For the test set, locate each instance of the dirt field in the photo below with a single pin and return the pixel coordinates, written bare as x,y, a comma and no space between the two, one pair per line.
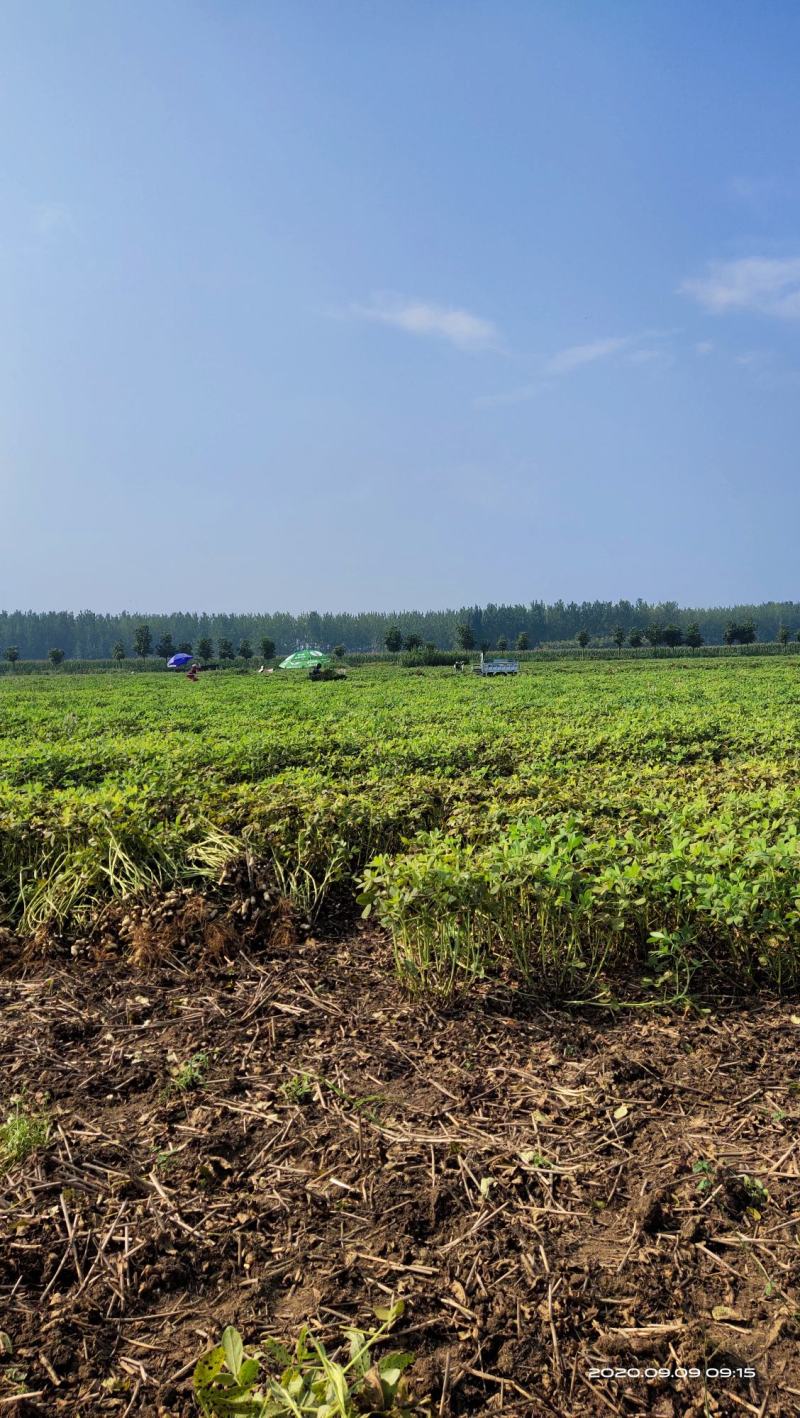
551,1192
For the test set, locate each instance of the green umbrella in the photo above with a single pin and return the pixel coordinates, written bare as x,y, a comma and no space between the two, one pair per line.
304,660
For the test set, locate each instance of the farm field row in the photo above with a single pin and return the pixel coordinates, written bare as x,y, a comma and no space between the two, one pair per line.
580,817
557,1197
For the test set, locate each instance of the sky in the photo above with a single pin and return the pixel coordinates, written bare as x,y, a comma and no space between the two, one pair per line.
387,304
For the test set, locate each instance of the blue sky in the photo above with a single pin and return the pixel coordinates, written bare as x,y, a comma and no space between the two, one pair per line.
384,305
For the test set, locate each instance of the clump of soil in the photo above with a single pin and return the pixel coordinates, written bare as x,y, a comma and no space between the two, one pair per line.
273,1133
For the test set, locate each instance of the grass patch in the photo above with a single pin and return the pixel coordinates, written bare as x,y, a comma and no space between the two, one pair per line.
299,1088
189,1075
23,1131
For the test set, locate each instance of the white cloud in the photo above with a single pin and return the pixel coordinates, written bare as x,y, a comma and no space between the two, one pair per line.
754,359
631,347
748,189
760,193
566,360
767,285
704,347
418,317
634,347
51,219
649,357
513,396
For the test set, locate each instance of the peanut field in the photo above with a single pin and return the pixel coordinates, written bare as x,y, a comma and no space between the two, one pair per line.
463,1009
577,819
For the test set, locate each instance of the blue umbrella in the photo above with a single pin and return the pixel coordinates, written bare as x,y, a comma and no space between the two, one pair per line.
178,661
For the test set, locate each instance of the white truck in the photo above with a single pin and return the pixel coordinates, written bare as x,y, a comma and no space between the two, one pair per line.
497,667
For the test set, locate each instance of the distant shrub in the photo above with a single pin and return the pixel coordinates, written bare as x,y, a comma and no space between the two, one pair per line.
429,655
86,667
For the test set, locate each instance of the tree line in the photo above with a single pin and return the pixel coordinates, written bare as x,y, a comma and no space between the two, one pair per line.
164,648
735,633
90,635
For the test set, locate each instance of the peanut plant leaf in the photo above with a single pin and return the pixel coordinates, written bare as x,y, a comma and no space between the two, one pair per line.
390,1369
224,1406
248,1373
391,1366
277,1351
233,1349
207,1368
388,1315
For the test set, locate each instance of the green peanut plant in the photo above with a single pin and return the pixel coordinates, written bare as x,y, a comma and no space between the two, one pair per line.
232,1381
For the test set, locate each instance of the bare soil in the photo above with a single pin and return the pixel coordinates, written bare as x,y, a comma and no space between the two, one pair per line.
551,1191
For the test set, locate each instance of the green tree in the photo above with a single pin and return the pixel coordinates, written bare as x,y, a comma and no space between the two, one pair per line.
522,641
413,642
185,647
618,636
582,638
164,647
744,633
464,636
245,650
693,636
502,643
338,651
55,656
12,654
393,639
267,648
225,650
635,639
118,650
204,648
142,641
655,634
783,636
672,635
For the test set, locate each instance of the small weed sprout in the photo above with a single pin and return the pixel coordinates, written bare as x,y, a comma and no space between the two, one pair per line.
189,1075
756,1192
21,1133
299,1088
165,1160
702,1170
15,1381
536,1159
360,1105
